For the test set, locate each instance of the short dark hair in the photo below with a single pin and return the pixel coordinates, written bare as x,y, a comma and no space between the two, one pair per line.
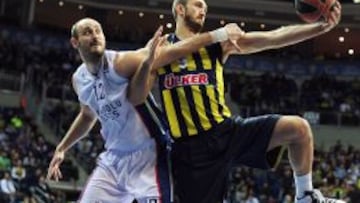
73,31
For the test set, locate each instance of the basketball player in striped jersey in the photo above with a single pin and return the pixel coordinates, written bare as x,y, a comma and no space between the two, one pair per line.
109,84
208,141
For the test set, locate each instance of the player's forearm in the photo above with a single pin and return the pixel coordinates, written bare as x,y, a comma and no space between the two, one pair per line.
140,84
284,36
289,35
183,48
189,45
79,128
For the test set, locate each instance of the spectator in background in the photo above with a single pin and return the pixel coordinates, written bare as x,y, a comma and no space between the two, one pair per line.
250,198
18,173
5,163
8,188
287,199
30,160
43,192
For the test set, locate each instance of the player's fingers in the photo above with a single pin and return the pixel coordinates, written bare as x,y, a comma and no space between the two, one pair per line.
235,44
58,174
162,41
337,10
331,17
338,5
156,39
153,48
156,35
48,175
51,173
338,14
158,32
334,16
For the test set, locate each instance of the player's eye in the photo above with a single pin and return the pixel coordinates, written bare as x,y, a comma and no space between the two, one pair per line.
87,32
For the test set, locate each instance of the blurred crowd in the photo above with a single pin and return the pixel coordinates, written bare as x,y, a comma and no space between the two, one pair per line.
277,93
24,158
49,61
336,172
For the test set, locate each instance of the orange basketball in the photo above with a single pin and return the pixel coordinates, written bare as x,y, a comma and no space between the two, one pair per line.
313,10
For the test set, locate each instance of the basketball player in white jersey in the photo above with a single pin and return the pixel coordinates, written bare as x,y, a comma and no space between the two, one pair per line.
128,169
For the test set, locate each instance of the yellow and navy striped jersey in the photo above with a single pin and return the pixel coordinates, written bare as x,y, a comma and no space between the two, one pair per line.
192,91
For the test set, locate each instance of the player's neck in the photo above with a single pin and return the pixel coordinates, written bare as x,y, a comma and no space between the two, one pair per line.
94,66
183,32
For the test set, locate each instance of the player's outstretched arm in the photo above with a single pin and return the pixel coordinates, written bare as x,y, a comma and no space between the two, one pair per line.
141,82
252,42
80,127
126,63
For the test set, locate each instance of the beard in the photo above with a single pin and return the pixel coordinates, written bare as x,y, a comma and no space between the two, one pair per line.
192,24
98,52
93,53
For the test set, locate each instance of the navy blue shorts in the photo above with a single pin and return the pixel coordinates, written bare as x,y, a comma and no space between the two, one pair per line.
201,164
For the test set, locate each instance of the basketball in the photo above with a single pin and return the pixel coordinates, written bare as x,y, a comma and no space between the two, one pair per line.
313,10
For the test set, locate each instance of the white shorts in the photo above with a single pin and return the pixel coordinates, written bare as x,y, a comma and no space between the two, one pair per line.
142,175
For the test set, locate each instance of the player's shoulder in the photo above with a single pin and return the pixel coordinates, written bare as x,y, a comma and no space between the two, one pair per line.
111,55
124,54
79,71
126,62
79,77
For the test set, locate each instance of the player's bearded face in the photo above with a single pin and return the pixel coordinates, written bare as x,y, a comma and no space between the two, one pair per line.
94,46
92,43
194,20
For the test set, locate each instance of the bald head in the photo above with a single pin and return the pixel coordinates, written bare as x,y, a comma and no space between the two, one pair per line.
81,23
88,38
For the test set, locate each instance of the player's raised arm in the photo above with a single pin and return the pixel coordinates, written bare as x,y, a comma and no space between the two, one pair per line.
252,42
141,82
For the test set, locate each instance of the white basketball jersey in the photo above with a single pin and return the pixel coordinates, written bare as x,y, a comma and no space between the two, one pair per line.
106,95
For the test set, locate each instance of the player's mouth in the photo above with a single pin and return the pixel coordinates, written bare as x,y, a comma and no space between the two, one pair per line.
95,44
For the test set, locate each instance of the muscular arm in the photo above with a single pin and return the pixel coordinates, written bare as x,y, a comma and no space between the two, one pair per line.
84,121
126,63
252,42
141,82
82,124
182,48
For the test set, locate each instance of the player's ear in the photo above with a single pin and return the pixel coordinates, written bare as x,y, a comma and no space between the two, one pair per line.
74,42
180,10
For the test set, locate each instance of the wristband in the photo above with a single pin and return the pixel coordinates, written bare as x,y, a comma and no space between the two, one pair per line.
219,35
